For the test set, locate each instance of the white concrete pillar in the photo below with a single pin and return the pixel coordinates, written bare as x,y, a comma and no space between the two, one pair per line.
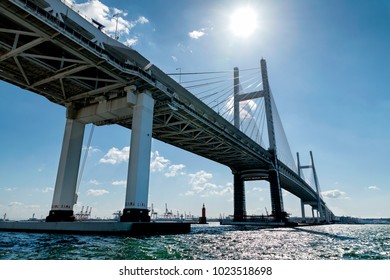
136,203
65,188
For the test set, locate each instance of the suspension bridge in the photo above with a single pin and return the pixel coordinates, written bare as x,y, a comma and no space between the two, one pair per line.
49,49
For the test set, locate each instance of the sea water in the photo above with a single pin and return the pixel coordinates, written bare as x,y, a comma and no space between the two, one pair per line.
208,242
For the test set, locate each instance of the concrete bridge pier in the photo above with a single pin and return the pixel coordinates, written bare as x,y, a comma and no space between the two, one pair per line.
136,202
64,196
312,213
239,197
327,216
316,214
303,211
276,197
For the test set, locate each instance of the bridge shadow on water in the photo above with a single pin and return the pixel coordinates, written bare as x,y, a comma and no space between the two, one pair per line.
326,234
222,229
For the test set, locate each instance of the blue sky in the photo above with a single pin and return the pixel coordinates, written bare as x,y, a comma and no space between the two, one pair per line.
329,69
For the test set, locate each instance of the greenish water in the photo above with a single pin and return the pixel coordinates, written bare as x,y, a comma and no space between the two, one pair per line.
208,242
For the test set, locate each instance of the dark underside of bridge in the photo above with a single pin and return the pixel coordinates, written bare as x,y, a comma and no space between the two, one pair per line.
68,69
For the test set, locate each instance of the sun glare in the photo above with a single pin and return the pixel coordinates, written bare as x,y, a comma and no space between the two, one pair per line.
243,22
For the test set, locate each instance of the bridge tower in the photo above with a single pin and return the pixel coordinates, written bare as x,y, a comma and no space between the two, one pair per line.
322,215
273,174
302,202
274,180
238,181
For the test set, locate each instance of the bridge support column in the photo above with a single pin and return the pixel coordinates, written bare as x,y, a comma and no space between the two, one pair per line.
312,214
316,215
303,212
136,203
65,188
327,215
239,198
276,196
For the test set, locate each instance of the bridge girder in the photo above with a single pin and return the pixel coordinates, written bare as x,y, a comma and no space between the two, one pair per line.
42,54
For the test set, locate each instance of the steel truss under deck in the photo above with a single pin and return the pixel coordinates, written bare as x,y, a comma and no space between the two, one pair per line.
44,55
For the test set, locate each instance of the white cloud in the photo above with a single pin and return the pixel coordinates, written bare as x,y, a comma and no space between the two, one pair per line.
116,156
48,189
335,194
104,15
94,192
223,190
196,34
175,170
174,58
189,193
157,162
15,204
112,18
119,183
142,20
94,182
198,179
373,188
200,185
184,48
248,117
8,189
247,108
131,41
91,149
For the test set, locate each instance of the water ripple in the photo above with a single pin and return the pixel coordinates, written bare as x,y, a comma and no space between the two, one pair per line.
207,242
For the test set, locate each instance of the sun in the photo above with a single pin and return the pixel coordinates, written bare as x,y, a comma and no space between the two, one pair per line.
243,22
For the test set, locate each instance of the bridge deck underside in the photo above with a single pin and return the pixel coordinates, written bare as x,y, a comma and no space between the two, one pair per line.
64,70
42,55
180,129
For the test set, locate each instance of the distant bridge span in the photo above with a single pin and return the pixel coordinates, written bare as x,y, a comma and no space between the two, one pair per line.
48,49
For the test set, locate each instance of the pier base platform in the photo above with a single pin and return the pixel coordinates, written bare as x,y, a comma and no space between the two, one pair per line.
264,224
97,227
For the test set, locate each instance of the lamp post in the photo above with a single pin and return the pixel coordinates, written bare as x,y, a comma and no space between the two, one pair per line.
116,27
179,68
